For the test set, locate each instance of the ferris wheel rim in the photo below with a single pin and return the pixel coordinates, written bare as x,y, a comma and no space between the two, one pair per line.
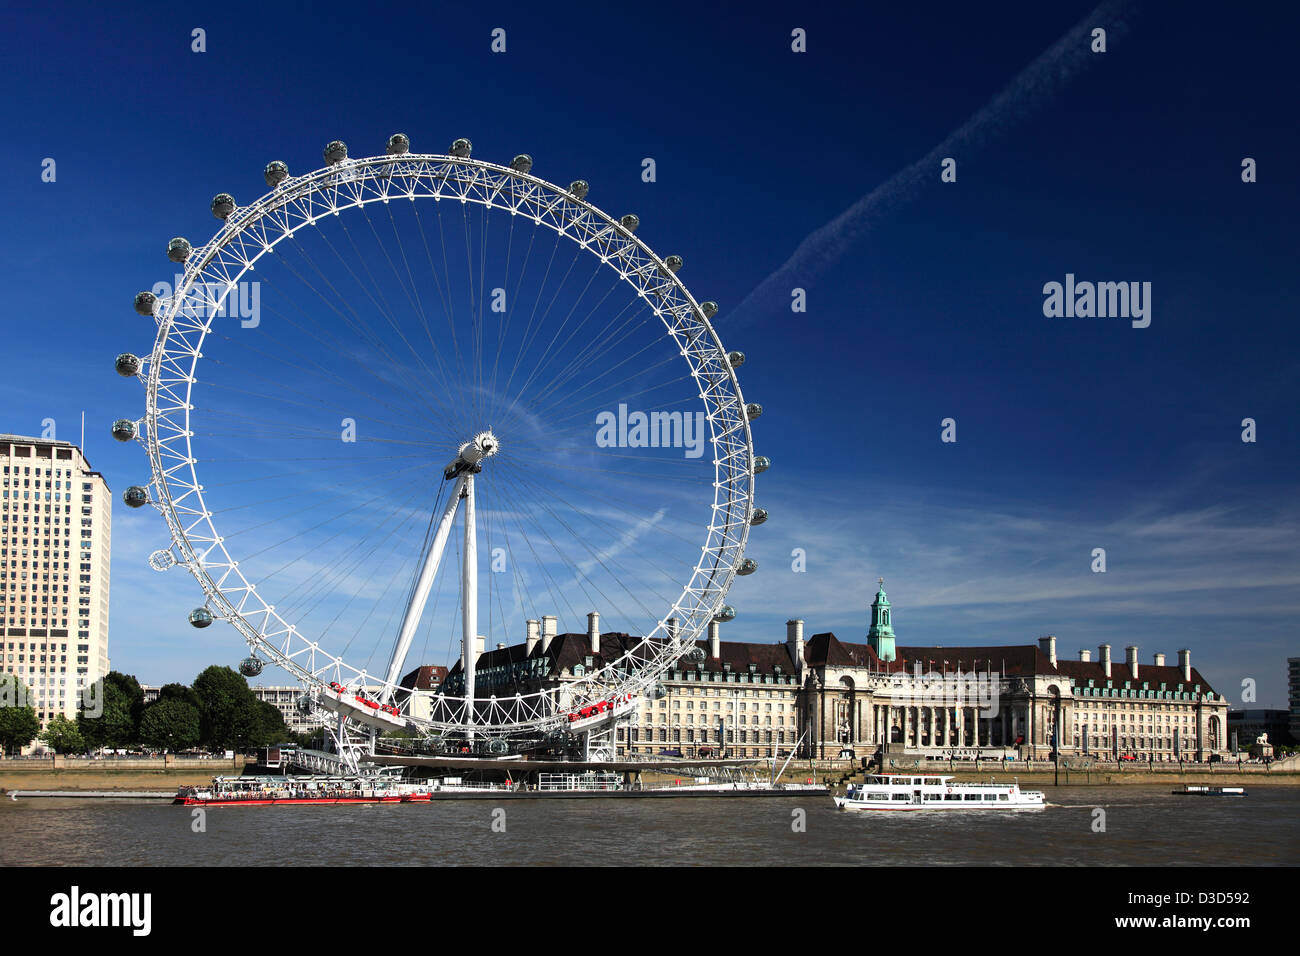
314,665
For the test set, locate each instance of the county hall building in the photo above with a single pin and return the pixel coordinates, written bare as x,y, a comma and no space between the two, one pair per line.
825,698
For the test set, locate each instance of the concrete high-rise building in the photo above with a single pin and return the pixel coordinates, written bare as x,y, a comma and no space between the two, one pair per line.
55,530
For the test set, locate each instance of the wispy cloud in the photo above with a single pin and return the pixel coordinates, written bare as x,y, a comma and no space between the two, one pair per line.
1221,580
1028,92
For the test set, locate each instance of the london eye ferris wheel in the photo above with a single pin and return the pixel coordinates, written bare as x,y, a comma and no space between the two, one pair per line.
411,404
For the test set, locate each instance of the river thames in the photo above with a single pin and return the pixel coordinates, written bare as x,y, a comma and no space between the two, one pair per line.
1143,825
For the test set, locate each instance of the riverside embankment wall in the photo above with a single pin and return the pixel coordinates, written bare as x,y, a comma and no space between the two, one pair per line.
1044,773
143,773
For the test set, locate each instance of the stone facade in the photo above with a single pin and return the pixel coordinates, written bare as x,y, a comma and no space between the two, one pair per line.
824,698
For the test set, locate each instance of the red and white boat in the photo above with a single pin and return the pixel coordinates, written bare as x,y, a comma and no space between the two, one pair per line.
300,791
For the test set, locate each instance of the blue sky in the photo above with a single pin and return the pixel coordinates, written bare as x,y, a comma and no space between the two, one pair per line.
1072,433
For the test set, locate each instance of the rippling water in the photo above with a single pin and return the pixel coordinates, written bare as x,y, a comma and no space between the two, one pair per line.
1144,825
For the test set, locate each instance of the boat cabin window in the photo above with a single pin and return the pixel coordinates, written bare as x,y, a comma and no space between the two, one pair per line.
932,781
972,796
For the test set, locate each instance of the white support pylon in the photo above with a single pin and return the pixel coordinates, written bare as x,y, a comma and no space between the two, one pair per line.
469,602
415,608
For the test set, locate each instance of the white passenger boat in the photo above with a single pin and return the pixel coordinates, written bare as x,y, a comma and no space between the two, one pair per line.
897,791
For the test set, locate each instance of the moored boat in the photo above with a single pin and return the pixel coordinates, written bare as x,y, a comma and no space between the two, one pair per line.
1196,790
260,791
908,792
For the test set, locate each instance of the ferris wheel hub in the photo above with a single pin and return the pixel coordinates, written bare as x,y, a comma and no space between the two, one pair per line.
472,454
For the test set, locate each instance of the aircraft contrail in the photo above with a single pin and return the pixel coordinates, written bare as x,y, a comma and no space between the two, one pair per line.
1030,90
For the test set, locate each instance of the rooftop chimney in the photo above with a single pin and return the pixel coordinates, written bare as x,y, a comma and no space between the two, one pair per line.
480,645
534,635
1048,646
1131,658
500,646
593,631
794,637
671,627
1103,655
1085,656
715,644
548,631
1185,664
1160,660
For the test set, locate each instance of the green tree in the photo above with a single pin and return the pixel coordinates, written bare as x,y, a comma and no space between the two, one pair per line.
179,692
271,728
230,715
132,694
18,722
63,736
113,726
171,724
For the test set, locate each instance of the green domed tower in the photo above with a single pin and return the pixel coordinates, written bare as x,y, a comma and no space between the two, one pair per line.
881,635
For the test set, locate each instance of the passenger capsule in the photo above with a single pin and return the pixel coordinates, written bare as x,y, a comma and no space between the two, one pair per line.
146,303
761,464
735,359
223,204
748,566
336,152
135,497
123,429
399,144
461,148
127,365
630,222
673,264
725,613
200,617
275,173
759,516
753,410
250,666
696,653
710,309
522,163
179,249
579,188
